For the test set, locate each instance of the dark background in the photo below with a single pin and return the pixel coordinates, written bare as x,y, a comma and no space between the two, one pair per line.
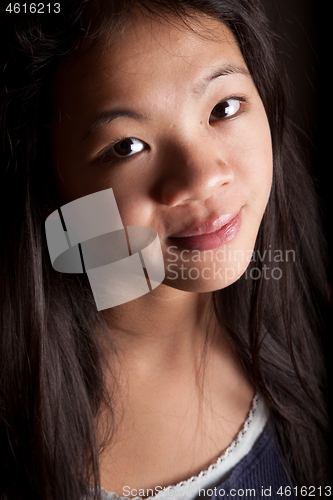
302,27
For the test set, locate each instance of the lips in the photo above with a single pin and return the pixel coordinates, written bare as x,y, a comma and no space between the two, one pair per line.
209,235
206,227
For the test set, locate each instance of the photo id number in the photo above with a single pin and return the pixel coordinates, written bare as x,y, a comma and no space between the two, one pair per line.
33,8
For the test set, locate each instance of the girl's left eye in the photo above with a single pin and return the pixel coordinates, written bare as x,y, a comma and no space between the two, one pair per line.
125,147
226,109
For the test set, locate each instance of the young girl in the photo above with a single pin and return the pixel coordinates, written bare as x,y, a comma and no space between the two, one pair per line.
213,383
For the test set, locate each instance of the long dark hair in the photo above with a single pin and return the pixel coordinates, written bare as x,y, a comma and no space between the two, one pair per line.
51,366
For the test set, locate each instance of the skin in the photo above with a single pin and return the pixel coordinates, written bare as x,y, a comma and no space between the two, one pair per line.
171,421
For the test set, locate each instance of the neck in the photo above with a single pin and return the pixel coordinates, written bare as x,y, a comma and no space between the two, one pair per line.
169,399
162,324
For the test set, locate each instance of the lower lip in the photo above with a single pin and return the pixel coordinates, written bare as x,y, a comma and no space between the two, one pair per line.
212,240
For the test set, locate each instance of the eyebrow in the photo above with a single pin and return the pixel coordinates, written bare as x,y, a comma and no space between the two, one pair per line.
106,117
226,69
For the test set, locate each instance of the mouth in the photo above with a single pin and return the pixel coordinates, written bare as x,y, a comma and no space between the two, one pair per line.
209,235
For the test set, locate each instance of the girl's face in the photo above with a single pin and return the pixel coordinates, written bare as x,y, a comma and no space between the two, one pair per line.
171,120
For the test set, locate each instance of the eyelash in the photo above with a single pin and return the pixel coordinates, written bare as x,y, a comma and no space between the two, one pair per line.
104,158
242,101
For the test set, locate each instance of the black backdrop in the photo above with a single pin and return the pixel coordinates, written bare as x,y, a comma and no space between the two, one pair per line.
301,26
303,31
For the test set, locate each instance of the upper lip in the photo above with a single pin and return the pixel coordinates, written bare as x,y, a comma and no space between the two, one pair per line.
211,225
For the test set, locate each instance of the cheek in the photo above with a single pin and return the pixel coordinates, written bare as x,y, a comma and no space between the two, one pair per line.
134,204
74,179
256,162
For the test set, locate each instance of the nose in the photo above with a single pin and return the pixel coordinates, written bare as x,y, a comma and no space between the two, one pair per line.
193,170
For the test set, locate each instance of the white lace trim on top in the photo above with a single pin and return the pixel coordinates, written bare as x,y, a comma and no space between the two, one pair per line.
236,451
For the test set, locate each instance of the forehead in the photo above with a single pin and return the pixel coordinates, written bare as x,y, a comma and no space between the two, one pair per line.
147,57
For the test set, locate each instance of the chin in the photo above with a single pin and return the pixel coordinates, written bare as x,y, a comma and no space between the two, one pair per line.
209,278
210,270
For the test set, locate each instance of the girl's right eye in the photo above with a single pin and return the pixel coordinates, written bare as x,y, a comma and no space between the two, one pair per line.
125,147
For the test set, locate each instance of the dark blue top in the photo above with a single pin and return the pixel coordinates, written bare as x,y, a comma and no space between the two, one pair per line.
259,475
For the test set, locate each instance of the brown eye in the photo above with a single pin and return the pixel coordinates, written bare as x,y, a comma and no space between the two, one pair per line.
226,109
126,147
